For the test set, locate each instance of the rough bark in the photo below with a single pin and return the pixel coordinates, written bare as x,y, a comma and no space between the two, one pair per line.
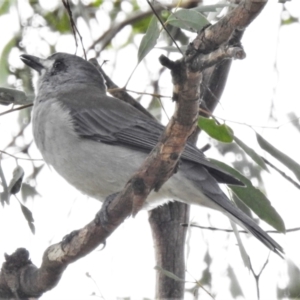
164,221
19,278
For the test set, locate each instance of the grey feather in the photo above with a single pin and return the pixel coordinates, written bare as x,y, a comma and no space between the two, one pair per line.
97,142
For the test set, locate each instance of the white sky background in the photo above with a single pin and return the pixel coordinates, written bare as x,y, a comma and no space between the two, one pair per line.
125,267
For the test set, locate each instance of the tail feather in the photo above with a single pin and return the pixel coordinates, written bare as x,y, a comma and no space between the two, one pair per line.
249,225
208,186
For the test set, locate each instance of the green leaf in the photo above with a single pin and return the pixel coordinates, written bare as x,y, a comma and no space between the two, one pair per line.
206,273
4,70
188,19
149,40
28,216
251,153
28,191
242,249
168,274
222,133
12,96
172,48
58,21
97,3
235,287
141,26
283,158
5,5
254,198
4,196
212,8
292,289
16,181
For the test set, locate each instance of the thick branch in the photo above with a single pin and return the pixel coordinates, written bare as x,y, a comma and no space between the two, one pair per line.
167,235
157,168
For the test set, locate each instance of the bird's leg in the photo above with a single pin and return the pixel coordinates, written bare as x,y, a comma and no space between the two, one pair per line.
102,217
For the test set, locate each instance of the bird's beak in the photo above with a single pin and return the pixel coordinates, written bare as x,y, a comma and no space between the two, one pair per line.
33,62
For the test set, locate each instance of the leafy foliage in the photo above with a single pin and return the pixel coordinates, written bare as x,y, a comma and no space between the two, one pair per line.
254,199
188,19
149,39
283,158
222,133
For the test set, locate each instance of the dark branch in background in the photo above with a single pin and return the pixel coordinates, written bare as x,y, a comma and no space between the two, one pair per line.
73,26
15,109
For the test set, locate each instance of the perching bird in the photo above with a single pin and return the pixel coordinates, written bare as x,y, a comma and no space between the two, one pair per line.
97,142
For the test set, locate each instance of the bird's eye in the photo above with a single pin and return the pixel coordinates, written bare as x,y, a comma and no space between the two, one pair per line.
58,66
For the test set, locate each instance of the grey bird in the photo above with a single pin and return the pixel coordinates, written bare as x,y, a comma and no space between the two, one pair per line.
97,142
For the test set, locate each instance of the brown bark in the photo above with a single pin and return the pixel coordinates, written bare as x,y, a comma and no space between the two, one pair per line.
22,279
165,220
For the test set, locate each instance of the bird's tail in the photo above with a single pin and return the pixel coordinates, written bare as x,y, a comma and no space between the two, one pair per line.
212,196
239,217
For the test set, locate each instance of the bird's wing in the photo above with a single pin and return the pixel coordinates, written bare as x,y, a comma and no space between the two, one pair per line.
109,120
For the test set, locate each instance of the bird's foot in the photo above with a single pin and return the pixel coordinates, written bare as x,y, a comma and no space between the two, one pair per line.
102,217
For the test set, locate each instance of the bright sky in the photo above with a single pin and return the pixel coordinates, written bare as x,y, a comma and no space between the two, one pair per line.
125,267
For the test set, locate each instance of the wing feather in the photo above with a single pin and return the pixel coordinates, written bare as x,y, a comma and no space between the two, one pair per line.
126,126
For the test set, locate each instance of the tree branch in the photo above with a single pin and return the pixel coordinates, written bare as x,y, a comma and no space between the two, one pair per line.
21,279
167,235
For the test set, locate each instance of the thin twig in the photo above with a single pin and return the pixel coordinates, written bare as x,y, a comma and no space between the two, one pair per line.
139,93
164,26
163,108
15,109
231,231
22,158
256,277
73,26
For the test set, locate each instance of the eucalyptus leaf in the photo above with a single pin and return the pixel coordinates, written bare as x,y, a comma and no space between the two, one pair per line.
283,158
28,191
292,288
16,181
254,198
168,274
28,216
212,8
4,71
222,133
251,153
172,48
188,19
243,252
13,96
4,196
235,287
149,40
5,6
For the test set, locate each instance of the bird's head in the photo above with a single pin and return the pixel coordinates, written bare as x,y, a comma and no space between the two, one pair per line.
61,69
